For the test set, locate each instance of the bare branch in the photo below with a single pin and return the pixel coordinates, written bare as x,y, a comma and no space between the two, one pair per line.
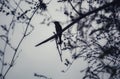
16,50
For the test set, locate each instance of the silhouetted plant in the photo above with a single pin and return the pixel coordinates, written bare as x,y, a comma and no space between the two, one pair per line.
96,25
20,15
101,58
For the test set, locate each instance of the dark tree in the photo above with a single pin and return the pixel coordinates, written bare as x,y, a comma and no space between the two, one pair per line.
97,36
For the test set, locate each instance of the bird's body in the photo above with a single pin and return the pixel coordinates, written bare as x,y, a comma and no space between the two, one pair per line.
58,29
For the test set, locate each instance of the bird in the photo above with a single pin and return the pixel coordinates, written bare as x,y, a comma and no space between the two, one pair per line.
58,29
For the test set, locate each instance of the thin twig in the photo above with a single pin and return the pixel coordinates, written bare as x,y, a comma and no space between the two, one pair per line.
74,8
7,40
24,35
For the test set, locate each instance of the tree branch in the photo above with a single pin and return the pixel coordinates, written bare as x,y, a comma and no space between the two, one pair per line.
79,18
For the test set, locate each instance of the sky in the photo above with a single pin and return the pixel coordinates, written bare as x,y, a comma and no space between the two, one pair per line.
45,58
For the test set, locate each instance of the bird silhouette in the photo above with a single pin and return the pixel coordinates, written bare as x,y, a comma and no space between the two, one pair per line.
58,29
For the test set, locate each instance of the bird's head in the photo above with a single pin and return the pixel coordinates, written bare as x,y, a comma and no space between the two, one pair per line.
56,22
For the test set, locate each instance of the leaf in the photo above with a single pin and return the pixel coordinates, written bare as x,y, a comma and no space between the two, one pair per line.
7,13
3,11
4,37
0,75
62,0
98,21
41,76
4,27
13,12
66,13
93,31
43,6
67,62
5,64
1,53
74,56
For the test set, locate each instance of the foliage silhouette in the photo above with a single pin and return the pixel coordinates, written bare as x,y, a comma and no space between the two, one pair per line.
76,20
102,59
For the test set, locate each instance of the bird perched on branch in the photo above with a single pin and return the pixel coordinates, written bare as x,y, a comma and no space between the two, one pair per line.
58,28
